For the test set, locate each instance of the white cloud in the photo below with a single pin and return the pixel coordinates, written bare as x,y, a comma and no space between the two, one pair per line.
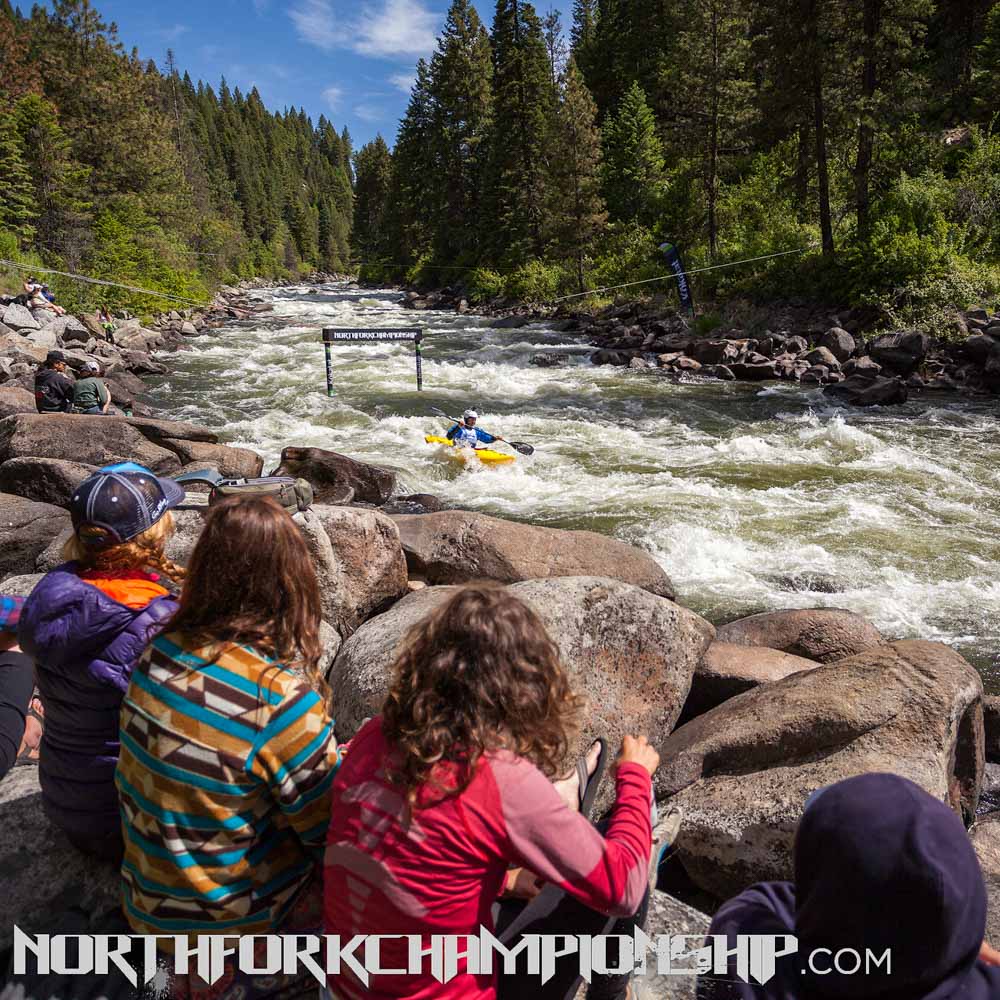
369,112
332,96
382,28
403,81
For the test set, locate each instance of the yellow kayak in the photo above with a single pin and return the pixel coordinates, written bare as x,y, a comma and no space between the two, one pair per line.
485,455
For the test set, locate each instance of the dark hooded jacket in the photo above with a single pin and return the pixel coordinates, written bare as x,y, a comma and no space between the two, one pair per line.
879,865
85,645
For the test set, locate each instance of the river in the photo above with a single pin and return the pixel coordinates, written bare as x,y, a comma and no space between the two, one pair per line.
752,498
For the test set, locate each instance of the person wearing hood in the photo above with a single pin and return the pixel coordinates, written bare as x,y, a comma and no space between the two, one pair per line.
468,435
881,867
53,387
85,625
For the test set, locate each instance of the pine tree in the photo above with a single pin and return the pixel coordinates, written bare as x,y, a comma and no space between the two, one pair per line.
17,196
576,213
461,74
555,46
373,170
523,100
985,82
633,160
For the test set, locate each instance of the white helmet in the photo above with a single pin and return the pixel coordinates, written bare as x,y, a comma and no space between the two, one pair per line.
470,415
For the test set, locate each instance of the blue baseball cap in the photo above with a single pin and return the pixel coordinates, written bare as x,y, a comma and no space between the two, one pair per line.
123,500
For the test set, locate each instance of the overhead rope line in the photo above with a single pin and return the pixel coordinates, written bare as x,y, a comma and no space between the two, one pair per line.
100,281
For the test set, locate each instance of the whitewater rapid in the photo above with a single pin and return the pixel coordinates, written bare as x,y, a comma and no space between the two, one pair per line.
752,498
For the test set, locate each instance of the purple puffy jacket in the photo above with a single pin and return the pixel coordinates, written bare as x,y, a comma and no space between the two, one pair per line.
85,645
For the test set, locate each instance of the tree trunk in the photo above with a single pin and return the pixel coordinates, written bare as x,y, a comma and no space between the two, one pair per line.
713,144
866,133
822,167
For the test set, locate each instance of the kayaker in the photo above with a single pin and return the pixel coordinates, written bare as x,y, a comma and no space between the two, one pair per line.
468,435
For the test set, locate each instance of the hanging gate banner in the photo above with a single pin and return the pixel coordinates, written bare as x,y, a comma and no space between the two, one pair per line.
683,287
333,336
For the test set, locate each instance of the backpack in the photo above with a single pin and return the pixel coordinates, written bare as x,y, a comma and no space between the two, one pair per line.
293,494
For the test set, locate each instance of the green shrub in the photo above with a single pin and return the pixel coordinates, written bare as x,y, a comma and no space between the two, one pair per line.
536,281
483,284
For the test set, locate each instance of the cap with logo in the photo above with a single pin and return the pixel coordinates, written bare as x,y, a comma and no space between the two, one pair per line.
124,501
91,366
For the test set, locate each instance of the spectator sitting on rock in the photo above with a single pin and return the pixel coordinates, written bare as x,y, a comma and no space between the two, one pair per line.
228,752
880,867
53,387
20,708
85,625
42,298
450,786
90,394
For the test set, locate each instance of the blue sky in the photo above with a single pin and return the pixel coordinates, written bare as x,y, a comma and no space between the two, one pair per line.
352,60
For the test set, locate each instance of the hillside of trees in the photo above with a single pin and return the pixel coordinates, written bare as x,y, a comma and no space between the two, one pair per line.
113,167
537,159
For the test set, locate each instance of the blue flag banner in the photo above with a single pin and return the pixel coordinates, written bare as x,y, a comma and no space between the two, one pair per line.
683,286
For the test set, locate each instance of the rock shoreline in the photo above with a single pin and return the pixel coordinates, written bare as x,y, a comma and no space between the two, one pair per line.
832,352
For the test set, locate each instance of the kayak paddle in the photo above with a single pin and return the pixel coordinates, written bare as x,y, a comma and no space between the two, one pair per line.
524,449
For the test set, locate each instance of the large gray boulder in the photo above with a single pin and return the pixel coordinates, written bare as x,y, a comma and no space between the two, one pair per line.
48,480
727,670
900,353
359,562
232,463
19,317
862,390
669,916
456,546
839,343
43,338
20,586
26,529
630,653
332,475
742,772
14,399
821,634
986,842
43,874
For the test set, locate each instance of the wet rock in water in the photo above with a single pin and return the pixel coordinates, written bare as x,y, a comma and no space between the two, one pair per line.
26,529
821,634
754,373
44,875
862,366
991,719
329,473
630,653
839,343
727,670
459,546
743,771
715,352
511,322
545,360
721,372
860,390
359,562
47,480
607,357
415,503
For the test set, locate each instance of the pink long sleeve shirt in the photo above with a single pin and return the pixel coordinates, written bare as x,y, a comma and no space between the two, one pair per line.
439,870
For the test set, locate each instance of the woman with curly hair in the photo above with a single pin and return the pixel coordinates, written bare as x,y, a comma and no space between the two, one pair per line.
85,625
452,786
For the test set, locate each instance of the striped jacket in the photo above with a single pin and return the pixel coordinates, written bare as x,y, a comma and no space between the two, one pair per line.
225,775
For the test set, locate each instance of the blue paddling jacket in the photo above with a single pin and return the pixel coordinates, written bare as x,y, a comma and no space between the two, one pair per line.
469,437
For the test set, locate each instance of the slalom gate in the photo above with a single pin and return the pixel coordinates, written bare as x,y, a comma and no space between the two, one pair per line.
333,336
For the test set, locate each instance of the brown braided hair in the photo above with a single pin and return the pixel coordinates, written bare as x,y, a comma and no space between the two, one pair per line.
479,674
145,551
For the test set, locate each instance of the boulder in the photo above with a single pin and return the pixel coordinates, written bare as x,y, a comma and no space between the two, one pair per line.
359,561
19,317
796,345
511,322
728,669
820,634
20,586
44,875
991,720
162,431
743,771
233,463
669,916
545,359
26,528
47,480
456,546
70,328
754,373
19,349
91,440
862,366
608,357
822,356
330,473
44,338
977,348
715,352
630,653
14,399
985,837
860,390
839,343
901,353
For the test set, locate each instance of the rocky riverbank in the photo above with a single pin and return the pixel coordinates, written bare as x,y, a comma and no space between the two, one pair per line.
749,716
838,353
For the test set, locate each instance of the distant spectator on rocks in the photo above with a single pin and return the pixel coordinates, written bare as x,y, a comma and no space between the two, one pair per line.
43,298
90,394
107,322
880,867
85,625
53,387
